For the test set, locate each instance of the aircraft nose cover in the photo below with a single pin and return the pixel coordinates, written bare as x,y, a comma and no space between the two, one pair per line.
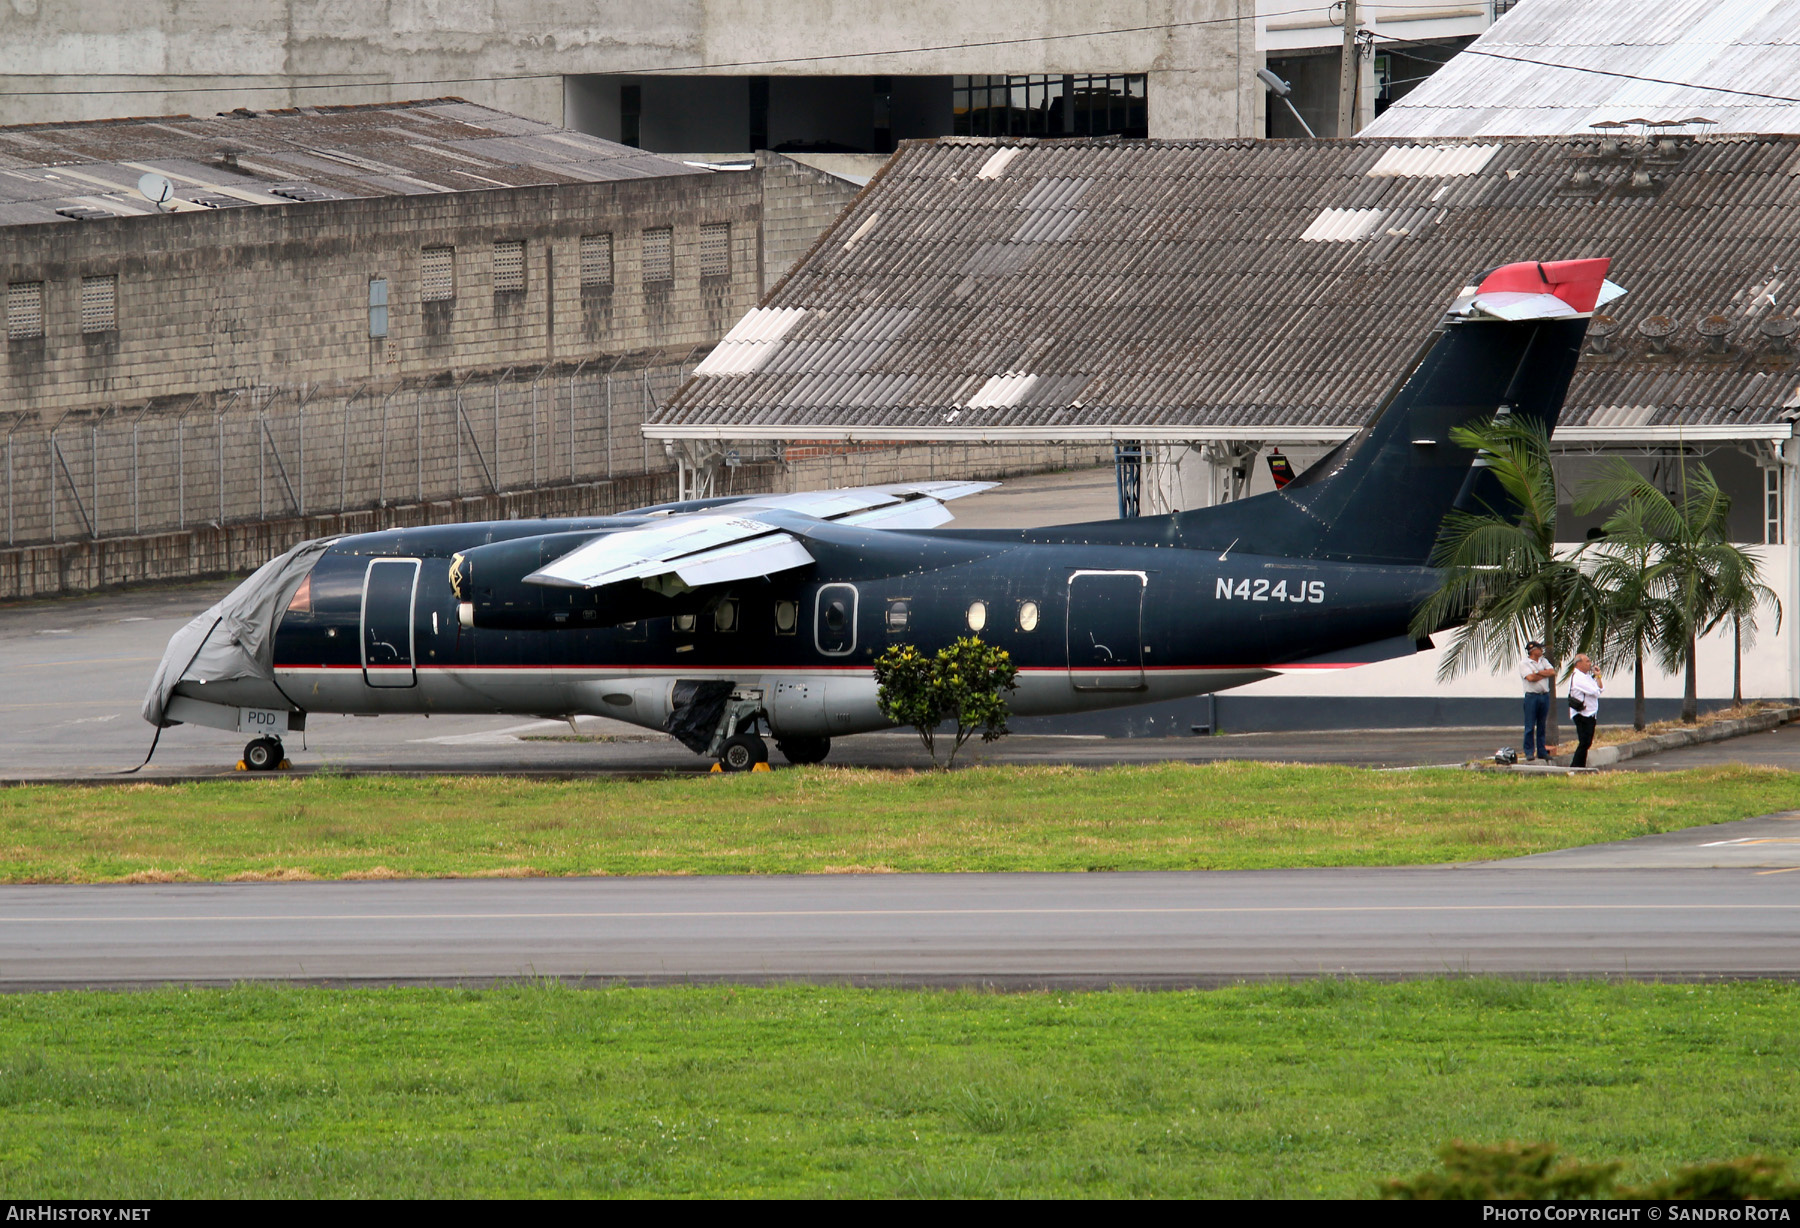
236,637
1576,282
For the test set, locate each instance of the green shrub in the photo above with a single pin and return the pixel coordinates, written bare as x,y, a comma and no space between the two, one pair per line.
965,683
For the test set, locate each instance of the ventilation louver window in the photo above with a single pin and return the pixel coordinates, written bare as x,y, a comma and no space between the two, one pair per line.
99,304
715,250
24,310
509,265
596,260
437,280
659,254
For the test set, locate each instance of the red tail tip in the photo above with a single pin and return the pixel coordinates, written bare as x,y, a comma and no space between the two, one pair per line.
1575,282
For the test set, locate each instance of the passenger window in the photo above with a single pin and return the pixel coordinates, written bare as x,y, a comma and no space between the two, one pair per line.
977,615
1028,615
899,616
725,615
684,622
787,617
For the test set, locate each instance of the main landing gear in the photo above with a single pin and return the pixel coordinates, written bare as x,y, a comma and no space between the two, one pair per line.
264,755
738,745
742,752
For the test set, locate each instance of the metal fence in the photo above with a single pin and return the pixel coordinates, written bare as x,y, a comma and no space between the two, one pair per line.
261,453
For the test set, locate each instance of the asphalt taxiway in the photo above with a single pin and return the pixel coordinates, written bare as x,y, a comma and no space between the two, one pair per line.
1003,930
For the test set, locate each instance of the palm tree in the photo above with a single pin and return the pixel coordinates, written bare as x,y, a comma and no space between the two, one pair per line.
1635,615
1503,578
1699,577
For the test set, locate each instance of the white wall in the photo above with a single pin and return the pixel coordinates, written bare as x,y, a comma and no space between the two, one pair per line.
1768,672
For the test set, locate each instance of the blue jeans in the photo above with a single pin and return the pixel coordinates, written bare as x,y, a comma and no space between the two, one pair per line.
1537,716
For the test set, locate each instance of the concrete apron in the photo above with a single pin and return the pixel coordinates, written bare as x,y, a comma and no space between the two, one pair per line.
1718,731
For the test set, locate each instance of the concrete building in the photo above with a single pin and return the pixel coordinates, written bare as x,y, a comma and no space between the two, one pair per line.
711,76
1209,302
338,310
1400,45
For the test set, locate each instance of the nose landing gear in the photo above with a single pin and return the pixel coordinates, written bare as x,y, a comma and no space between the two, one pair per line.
264,755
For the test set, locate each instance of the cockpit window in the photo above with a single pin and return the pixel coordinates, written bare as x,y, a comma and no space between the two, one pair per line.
301,603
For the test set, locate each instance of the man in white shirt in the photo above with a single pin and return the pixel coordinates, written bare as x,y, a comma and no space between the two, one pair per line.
1584,706
1536,671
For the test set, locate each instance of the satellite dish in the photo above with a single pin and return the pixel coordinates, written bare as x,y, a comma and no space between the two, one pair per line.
156,189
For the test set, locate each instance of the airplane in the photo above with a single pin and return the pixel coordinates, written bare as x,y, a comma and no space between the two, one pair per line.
719,619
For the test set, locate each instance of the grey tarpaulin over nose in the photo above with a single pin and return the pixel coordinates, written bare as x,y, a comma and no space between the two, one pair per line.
236,637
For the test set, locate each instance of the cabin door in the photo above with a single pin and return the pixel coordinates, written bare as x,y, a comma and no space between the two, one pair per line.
390,594
1106,619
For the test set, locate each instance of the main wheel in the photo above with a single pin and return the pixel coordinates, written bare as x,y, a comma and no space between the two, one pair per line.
801,751
263,754
743,752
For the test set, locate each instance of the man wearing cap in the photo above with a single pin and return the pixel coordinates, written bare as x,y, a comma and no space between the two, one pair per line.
1536,670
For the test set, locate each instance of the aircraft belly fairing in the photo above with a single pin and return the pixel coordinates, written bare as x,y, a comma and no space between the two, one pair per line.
719,618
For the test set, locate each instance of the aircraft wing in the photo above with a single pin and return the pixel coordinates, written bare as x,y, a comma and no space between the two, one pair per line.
699,548
849,504
727,542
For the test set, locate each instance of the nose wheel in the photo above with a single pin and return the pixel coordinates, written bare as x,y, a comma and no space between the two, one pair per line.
264,755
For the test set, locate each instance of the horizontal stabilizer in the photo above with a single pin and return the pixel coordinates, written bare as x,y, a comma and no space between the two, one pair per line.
720,547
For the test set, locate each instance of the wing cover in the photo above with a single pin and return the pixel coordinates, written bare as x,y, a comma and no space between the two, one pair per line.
720,547
723,544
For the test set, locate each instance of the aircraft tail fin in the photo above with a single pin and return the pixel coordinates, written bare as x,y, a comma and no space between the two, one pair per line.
1507,345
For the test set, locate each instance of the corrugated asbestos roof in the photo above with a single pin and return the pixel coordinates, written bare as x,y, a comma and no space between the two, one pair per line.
68,172
1507,84
1096,288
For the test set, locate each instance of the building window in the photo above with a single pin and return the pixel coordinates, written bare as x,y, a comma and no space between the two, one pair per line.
1067,105
1772,517
24,310
659,254
378,306
99,304
509,265
715,249
437,281
596,260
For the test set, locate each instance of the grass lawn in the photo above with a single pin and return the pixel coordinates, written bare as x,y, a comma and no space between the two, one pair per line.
1313,1089
822,820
